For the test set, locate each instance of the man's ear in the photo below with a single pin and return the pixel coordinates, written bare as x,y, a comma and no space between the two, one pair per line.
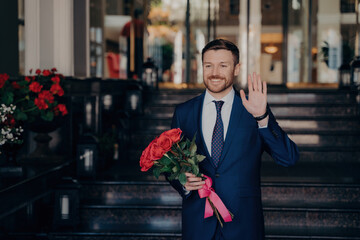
237,69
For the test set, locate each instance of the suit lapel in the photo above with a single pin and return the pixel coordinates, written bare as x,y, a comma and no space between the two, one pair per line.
236,113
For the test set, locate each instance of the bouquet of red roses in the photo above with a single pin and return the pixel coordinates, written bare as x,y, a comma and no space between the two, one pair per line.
172,154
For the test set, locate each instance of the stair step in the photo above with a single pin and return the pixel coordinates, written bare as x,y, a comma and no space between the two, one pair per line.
90,235
301,172
272,233
313,139
326,109
157,219
131,219
327,156
296,195
307,154
331,124
311,232
274,96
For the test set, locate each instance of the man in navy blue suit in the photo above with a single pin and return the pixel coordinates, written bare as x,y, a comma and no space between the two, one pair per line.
232,131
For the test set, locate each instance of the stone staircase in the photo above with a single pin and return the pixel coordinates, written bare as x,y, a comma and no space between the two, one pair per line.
318,198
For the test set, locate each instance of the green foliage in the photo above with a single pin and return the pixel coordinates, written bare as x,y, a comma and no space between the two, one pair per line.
165,161
182,178
7,98
47,116
156,172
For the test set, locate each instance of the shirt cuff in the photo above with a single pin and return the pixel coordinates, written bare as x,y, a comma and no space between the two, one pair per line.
262,126
186,192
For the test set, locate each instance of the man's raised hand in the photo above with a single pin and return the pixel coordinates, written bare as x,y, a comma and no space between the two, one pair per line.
257,99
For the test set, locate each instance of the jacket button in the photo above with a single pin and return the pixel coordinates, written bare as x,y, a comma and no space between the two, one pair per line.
217,175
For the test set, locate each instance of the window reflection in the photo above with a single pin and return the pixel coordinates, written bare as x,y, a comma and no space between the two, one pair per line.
319,37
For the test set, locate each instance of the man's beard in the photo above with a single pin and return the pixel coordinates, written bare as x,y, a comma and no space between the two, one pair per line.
225,86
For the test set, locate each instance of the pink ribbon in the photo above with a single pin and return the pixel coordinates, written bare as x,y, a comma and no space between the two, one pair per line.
208,191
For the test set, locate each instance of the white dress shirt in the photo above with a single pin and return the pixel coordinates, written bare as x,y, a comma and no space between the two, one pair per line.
209,115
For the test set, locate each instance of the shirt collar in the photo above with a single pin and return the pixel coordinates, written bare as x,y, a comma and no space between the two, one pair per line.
227,99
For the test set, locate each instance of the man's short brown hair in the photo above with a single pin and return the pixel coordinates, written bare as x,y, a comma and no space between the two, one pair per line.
218,44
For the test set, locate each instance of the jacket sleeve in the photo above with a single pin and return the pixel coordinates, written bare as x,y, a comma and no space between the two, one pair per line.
175,183
277,143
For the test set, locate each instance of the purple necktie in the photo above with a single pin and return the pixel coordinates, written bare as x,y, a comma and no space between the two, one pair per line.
217,141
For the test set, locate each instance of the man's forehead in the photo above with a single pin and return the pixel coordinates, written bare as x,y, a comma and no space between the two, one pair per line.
218,55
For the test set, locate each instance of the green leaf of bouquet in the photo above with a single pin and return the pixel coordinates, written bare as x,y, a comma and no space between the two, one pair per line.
191,161
182,178
165,169
182,145
195,169
175,169
165,161
193,149
187,152
156,172
200,158
188,143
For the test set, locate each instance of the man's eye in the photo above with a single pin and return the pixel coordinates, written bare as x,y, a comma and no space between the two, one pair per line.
207,66
223,66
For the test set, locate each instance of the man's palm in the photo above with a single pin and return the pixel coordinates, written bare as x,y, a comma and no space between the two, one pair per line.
257,100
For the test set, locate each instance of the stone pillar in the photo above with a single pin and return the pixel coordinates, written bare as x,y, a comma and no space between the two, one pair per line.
9,48
49,36
82,38
250,49
328,29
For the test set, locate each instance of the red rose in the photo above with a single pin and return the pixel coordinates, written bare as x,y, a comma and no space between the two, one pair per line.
60,108
46,95
55,79
165,142
40,103
28,79
38,71
174,134
3,78
35,87
54,70
46,73
15,85
145,161
57,89
156,151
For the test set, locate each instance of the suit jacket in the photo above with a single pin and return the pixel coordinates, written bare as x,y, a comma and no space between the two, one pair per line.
237,178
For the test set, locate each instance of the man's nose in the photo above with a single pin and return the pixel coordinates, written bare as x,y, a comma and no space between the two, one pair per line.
215,70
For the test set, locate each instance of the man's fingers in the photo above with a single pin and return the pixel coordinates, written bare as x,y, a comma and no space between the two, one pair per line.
250,84
258,79
194,179
255,83
193,185
264,88
189,174
196,183
190,188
